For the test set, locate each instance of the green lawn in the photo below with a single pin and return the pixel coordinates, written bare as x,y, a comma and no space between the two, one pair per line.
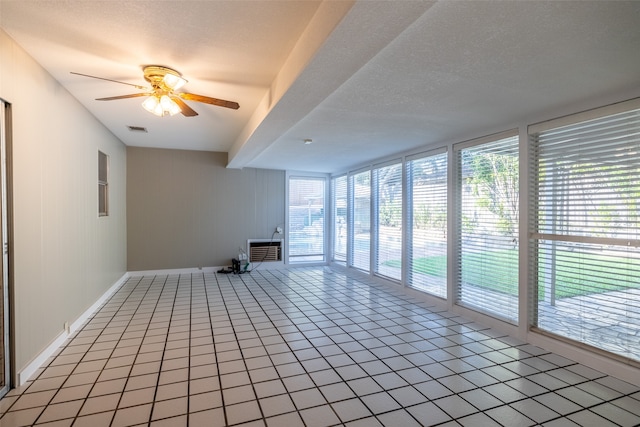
497,270
584,274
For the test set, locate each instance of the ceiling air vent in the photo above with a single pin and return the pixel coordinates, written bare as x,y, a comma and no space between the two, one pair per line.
137,129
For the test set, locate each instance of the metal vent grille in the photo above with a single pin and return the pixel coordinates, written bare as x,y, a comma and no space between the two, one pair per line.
265,251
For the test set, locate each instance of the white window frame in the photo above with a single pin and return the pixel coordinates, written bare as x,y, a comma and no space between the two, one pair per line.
103,183
333,231
327,207
409,216
570,237
375,217
351,219
455,239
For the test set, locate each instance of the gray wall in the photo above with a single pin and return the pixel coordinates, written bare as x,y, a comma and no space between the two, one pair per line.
185,209
64,256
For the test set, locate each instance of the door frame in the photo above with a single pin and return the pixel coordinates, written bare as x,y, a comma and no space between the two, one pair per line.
6,247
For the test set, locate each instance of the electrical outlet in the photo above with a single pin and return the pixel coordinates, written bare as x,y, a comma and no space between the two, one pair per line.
278,230
67,329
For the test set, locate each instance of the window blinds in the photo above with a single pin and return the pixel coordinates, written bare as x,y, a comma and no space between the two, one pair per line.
360,220
306,219
487,225
585,231
427,257
388,220
339,195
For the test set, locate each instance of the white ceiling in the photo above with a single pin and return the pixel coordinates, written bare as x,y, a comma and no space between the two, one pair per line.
363,79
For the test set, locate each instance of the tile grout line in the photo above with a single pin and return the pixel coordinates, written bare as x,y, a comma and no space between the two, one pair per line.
68,343
151,281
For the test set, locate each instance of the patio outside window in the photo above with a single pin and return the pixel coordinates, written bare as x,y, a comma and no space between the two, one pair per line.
585,229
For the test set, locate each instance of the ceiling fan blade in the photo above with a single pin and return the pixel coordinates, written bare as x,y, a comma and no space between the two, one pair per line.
186,110
209,100
109,80
133,95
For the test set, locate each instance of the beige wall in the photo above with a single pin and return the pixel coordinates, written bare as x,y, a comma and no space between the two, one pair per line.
65,256
185,209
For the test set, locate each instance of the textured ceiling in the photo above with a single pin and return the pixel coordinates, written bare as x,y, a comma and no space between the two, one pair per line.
225,49
364,80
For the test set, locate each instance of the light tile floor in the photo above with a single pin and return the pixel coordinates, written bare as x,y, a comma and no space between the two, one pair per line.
303,347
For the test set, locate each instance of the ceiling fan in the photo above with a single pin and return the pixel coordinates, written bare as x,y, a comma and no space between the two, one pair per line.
162,97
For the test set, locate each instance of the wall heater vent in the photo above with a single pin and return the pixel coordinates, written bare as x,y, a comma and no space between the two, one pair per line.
264,250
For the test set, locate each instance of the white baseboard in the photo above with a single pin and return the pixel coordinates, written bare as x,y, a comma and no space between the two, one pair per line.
195,270
174,271
26,373
38,361
31,367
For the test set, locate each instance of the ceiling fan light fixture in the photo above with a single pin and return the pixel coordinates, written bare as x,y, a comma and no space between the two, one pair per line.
152,105
169,106
161,105
173,81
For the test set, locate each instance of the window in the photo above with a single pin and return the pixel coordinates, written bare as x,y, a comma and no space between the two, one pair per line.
360,226
585,228
427,223
388,220
306,219
487,227
339,194
103,184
